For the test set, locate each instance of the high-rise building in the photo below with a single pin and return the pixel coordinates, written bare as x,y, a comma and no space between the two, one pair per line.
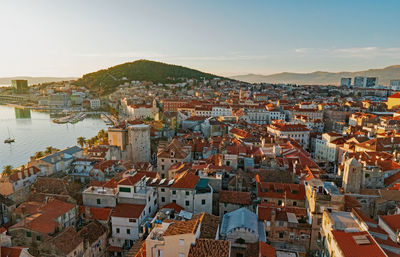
19,86
365,81
345,82
360,81
395,84
372,82
139,142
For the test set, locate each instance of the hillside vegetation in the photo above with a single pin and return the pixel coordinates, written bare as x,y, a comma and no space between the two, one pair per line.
142,70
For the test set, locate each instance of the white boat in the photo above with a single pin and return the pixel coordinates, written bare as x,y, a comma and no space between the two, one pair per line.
10,139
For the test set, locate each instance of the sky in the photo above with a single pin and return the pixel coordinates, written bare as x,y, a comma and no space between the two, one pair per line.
224,37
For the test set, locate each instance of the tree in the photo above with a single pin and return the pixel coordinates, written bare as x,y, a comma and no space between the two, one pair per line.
81,141
48,150
101,134
7,170
38,155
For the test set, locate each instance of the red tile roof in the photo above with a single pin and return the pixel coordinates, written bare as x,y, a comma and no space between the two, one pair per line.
126,210
395,95
185,180
209,247
176,207
97,213
10,251
131,180
350,248
393,221
234,197
280,190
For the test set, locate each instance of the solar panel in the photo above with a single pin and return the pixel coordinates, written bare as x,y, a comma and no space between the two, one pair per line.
154,180
171,182
162,181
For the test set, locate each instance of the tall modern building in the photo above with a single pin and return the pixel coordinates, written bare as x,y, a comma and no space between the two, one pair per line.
365,81
360,81
345,82
19,86
372,82
395,84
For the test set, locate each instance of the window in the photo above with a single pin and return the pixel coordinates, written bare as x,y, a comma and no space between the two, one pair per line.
159,253
174,192
187,193
28,234
163,199
162,189
294,203
181,255
98,201
162,167
38,238
187,203
117,230
128,231
181,242
280,234
132,220
125,189
203,202
174,201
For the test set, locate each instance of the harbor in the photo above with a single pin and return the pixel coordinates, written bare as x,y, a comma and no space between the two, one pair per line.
79,116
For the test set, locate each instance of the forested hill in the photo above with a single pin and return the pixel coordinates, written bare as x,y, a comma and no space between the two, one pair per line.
142,70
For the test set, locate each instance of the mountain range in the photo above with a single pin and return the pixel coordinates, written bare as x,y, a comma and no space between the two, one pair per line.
34,80
321,77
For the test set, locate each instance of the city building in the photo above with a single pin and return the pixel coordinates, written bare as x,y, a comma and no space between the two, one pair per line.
19,86
345,82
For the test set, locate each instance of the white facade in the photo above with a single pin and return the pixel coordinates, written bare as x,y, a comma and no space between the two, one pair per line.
95,104
217,111
301,135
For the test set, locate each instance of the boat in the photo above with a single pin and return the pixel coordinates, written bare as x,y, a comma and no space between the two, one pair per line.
9,140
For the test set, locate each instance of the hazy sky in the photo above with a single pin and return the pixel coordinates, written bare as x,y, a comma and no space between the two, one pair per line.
70,38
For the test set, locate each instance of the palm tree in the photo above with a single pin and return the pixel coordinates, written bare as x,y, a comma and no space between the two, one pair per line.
101,134
38,155
7,170
49,150
81,141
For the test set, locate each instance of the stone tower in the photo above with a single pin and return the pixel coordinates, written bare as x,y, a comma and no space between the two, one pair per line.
352,176
139,143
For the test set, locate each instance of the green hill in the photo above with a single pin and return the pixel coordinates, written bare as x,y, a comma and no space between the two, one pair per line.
142,70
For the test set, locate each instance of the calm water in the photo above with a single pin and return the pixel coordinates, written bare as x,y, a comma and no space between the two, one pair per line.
34,131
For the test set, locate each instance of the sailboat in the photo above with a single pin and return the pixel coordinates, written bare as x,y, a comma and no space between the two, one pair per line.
10,139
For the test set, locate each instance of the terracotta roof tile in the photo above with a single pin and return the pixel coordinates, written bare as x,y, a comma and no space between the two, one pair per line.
350,248
393,221
209,247
234,197
126,210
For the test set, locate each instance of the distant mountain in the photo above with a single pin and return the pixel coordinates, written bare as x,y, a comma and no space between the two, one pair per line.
142,70
34,80
323,78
